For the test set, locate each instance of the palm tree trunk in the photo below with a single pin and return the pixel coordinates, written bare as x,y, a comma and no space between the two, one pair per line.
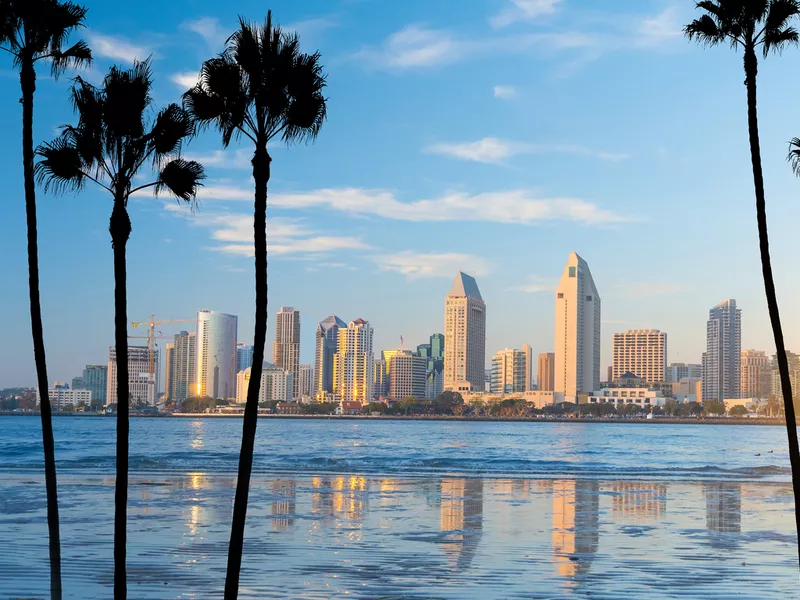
261,173
751,72
120,229
28,84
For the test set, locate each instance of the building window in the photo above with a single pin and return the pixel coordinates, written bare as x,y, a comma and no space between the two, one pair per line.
589,298
572,271
560,295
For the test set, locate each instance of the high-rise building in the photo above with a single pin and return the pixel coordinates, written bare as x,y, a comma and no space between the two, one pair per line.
794,377
276,384
286,349
723,357
464,335
327,344
577,332
754,365
437,346
169,351
642,352
95,379
353,363
215,349
184,359
509,369
244,356
407,375
547,377
528,351
306,380
677,371
141,388
380,372
424,351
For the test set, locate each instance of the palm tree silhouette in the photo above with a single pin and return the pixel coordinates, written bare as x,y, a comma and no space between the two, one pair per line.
109,147
32,31
261,87
765,26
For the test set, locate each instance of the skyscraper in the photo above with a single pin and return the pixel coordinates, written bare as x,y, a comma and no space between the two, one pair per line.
306,380
677,371
546,377
642,352
216,354
509,371
94,379
407,375
244,356
577,339
286,349
464,334
276,384
327,344
723,357
354,362
754,367
169,351
184,358
528,351
140,390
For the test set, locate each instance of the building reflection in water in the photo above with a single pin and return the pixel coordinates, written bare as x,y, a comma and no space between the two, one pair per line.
461,519
284,492
723,510
576,523
343,496
639,499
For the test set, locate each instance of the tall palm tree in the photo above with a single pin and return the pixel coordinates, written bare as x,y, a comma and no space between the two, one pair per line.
763,26
261,87
112,143
32,31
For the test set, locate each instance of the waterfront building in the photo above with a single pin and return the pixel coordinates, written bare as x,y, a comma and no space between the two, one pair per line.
794,377
434,380
677,371
276,384
577,331
464,335
244,356
61,396
354,362
642,397
215,372
286,349
184,359
509,372
306,380
723,356
169,359
642,352
94,379
142,387
437,346
546,376
326,347
407,375
528,351
754,367
380,387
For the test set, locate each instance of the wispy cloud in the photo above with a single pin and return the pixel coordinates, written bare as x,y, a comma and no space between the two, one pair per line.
224,159
515,206
505,92
535,285
309,28
116,47
661,28
495,151
184,80
642,289
523,10
208,28
417,265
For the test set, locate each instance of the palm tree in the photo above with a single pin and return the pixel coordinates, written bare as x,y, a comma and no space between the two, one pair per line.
753,26
109,147
32,31
261,87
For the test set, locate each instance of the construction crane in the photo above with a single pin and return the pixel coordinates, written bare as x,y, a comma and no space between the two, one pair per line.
151,347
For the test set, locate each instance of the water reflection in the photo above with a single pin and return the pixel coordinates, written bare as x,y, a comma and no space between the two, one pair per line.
283,506
461,520
639,499
576,505
723,511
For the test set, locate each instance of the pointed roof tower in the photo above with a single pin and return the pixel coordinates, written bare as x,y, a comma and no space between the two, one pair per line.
465,285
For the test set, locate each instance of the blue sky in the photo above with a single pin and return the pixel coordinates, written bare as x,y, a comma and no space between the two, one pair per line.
495,136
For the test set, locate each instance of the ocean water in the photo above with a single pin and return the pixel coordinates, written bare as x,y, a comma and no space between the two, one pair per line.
410,509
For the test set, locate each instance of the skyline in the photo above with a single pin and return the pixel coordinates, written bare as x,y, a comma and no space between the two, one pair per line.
642,183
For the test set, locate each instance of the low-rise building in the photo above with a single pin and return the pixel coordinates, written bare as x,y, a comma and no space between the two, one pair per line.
61,397
643,397
542,398
349,407
288,408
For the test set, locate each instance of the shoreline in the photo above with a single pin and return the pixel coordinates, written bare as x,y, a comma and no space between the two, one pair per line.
763,421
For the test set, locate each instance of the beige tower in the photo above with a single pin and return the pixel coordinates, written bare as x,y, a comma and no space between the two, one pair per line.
642,352
577,334
464,335
353,363
755,365
547,363
286,349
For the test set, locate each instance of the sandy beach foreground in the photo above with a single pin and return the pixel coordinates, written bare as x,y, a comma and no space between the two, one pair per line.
332,536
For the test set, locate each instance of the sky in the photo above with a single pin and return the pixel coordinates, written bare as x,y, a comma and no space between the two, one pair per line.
495,140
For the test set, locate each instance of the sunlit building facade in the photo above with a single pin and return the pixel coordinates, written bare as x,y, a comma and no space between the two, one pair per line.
286,349
353,363
546,373
642,352
326,347
215,373
722,360
509,372
407,375
464,334
182,377
142,386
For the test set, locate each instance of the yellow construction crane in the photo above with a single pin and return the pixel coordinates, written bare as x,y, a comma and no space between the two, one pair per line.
151,346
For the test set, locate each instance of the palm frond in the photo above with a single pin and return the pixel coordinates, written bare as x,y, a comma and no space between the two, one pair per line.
705,31
172,125
181,178
127,95
245,51
308,106
794,155
61,168
778,32
78,55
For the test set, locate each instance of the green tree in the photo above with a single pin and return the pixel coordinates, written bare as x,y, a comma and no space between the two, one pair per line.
671,407
445,402
32,31
372,407
193,404
765,26
738,411
110,147
714,407
406,404
262,87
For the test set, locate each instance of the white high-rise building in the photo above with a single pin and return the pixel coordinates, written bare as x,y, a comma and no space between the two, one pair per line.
354,363
184,359
407,375
723,358
464,335
577,334
286,349
509,372
140,390
306,381
642,352
216,354
529,376
276,384
677,371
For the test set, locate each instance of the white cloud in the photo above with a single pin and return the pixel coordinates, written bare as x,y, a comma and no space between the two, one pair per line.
495,151
209,29
515,206
184,80
505,92
309,28
535,285
645,289
417,265
224,159
523,10
115,47
664,27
